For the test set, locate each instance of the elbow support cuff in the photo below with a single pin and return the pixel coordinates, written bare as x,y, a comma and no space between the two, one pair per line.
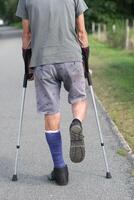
85,54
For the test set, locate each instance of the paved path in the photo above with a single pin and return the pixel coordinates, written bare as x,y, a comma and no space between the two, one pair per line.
87,181
8,31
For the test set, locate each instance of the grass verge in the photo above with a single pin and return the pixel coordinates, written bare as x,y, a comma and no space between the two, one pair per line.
132,173
113,79
17,25
122,152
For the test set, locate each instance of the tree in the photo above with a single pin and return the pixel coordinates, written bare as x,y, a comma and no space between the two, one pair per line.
99,10
126,8
7,10
2,8
106,10
10,10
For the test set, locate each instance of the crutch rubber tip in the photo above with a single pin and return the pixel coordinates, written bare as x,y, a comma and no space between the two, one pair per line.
108,175
14,177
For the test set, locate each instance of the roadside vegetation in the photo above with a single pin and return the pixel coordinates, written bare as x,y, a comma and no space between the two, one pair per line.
113,79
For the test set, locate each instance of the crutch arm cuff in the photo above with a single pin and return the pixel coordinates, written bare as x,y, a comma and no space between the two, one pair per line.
27,54
85,57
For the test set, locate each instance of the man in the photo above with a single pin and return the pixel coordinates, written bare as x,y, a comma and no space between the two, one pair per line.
57,33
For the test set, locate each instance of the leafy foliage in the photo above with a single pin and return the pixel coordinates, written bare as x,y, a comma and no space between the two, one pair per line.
105,11
99,10
7,10
2,8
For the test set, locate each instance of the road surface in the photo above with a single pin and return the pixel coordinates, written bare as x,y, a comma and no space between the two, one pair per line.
87,179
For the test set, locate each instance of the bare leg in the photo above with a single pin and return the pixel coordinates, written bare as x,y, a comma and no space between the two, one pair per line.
52,122
79,110
77,147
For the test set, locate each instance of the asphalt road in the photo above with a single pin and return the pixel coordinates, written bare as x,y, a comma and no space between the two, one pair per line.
87,180
9,32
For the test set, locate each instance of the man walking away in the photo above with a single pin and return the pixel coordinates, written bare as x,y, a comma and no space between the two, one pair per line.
57,33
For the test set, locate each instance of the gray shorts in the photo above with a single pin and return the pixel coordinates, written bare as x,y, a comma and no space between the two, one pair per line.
48,80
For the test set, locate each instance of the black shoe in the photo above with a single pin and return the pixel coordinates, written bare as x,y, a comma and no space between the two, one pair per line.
60,175
77,146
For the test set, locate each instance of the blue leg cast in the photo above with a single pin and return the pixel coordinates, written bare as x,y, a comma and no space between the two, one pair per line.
55,145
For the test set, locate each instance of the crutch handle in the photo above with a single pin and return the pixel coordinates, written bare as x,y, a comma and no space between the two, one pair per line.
27,54
89,80
85,55
25,81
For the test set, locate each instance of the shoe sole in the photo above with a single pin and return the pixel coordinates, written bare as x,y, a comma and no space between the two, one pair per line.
77,148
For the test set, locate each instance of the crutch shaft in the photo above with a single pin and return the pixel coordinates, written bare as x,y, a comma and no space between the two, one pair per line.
20,129
96,114
88,76
99,128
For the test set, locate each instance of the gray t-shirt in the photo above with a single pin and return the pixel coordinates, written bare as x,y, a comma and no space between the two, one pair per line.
52,24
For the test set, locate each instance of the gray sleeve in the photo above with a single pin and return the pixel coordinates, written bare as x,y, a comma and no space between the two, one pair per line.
22,10
80,7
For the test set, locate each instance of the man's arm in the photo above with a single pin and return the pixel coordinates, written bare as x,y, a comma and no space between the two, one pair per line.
26,49
81,31
83,40
26,35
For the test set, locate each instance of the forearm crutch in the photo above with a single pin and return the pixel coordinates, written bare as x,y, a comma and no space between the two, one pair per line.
14,178
89,80
27,76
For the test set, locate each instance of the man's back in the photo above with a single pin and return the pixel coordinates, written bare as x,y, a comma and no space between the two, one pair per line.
56,56
52,22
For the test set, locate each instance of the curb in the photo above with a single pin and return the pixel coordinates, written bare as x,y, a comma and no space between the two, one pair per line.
116,131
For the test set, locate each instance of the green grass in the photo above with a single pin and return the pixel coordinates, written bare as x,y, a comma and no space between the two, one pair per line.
17,25
132,173
122,152
113,79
